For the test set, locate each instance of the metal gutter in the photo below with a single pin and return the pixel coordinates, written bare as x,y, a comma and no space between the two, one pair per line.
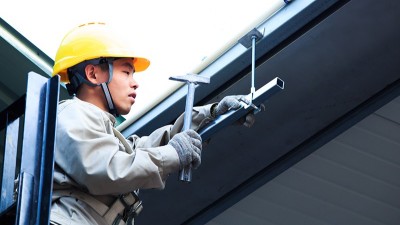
31,52
23,45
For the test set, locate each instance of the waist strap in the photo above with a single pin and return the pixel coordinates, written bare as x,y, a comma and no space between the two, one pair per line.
121,212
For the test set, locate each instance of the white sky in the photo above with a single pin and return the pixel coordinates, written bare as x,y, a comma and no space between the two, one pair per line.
176,35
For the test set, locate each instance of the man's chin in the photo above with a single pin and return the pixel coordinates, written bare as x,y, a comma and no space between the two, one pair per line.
124,111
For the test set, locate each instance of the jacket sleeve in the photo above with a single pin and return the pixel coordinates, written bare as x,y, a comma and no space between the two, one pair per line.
93,157
89,153
201,116
160,137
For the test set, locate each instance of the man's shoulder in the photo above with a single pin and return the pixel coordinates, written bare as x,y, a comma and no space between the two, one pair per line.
76,109
76,104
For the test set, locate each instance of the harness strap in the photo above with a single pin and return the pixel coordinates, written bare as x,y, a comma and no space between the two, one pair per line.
98,206
121,212
124,209
122,139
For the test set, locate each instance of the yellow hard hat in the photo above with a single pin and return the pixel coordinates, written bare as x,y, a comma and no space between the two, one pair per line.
91,41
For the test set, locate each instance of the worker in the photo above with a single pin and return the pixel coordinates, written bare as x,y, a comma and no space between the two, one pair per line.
98,172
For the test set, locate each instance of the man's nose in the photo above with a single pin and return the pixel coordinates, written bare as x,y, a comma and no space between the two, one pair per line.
134,83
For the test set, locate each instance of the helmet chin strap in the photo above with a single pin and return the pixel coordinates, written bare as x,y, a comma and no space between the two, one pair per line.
76,78
107,93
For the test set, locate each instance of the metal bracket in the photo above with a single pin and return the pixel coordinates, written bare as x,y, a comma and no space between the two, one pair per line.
247,39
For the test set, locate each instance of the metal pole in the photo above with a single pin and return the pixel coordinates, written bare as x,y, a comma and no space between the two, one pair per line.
253,62
186,173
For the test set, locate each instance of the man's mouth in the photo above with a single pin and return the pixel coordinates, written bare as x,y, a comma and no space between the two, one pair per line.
133,96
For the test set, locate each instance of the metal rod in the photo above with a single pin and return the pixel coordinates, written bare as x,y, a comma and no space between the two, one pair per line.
253,59
249,40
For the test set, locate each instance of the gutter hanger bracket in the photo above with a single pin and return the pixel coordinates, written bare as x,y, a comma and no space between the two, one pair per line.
247,39
256,97
250,40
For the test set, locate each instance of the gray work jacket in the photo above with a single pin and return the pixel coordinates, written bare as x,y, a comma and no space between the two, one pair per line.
89,158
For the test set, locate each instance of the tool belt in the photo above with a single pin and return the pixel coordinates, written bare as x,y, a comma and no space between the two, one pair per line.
122,212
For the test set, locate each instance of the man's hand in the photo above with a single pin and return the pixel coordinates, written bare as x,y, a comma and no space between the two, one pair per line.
234,102
228,103
188,146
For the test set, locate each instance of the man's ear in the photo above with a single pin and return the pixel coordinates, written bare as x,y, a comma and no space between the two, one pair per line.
90,73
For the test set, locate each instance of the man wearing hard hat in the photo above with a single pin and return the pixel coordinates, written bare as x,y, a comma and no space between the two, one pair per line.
97,171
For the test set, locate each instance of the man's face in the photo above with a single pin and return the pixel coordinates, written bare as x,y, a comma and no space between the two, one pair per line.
123,86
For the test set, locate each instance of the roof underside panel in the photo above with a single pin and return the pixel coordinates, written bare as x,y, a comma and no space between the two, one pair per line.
353,179
336,73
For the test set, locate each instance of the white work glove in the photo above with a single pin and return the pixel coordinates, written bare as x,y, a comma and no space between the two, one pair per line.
233,102
188,146
228,103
